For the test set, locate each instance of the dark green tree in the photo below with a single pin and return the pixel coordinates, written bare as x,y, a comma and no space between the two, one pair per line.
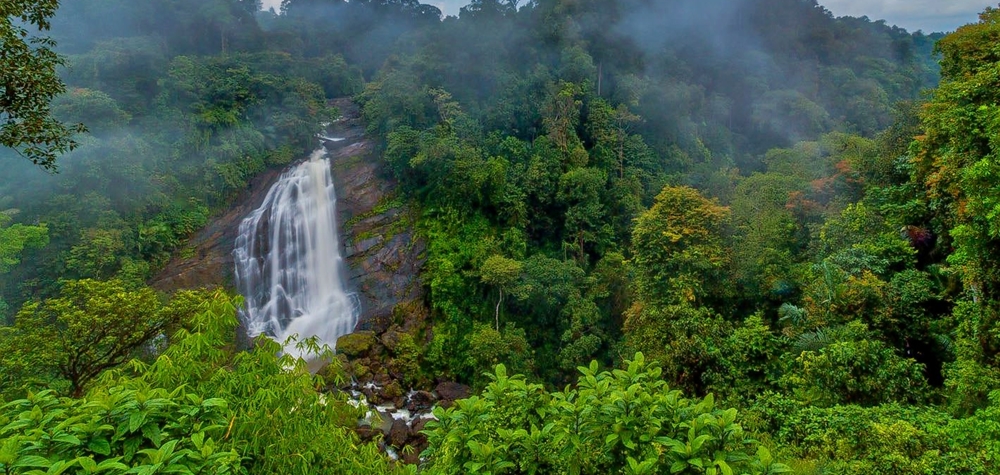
29,82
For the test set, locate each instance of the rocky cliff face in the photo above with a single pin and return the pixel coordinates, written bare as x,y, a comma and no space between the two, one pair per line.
382,254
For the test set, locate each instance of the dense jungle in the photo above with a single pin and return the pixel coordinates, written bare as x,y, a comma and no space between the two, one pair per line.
645,237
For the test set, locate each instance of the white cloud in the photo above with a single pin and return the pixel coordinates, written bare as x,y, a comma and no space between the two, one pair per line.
927,15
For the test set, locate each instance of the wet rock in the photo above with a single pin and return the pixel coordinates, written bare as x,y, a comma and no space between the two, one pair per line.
417,440
411,457
420,401
356,344
449,392
390,339
360,371
206,260
392,391
418,426
383,255
398,433
366,433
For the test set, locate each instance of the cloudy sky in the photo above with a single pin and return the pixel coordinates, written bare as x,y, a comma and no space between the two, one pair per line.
927,15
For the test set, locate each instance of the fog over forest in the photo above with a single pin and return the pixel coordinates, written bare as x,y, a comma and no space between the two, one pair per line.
506,237
927,15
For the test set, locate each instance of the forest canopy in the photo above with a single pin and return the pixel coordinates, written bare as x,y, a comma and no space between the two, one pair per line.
656,237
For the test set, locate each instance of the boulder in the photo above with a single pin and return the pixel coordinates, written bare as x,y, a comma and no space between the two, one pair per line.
420,401
419,425
411,457
392,391
366,433
390,339
355,344
398,433
451,391
417,440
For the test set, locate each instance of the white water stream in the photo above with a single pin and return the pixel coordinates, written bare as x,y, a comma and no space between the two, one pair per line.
288,262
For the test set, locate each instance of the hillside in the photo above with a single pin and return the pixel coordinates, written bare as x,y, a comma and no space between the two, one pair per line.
702,236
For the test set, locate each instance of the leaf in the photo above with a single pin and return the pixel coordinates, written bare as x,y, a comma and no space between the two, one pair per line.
135,421
99,446
33,461
764,455
67,439
698,442
60,467
152,433
112,464
88,464
215,402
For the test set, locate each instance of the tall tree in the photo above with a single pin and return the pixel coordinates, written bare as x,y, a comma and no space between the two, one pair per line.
958,164
678,247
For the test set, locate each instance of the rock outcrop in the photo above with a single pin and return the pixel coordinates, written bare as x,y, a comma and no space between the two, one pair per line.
382,253
207,259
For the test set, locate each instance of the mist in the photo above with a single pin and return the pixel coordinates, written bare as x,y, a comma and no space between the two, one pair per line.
187,101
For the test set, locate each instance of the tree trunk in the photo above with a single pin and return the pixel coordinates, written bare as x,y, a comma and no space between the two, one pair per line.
498,309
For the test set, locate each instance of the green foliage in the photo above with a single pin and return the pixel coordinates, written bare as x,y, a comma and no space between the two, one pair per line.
530,137
974,373
489,347
266,414
883,439
765,234
625,421
686,341
116,432
92,326
30,82
100,111
678,249
856,371
956,158
278,420
14,239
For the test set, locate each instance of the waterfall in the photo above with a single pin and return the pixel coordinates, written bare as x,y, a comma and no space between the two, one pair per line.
288,262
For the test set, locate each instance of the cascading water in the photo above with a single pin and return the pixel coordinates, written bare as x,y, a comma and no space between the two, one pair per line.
288,262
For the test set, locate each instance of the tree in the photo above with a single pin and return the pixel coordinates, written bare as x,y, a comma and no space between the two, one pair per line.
687,341
957,162
957,157
580,192
764,231
847,364
14,239
29,82
90,327
678,247
501,272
